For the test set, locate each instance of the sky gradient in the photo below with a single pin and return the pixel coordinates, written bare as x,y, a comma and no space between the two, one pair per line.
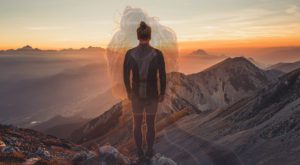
59,24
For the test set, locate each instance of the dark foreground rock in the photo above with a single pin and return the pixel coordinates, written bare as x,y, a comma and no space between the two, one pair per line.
25,146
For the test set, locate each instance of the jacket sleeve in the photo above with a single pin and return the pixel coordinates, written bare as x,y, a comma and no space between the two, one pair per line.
162,73
126,73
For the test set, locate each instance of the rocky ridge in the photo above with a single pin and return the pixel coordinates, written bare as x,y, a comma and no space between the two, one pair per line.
25,146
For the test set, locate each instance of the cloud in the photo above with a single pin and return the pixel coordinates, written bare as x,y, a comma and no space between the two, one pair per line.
243,24
175,22
43,28
293,10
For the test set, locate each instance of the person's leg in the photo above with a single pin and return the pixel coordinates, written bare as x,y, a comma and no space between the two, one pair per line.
150,120
137,110
151,110
137,129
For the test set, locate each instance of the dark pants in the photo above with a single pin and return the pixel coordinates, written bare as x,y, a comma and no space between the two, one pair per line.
139,106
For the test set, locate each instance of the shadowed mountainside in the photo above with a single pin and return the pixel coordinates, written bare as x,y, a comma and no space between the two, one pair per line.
260,129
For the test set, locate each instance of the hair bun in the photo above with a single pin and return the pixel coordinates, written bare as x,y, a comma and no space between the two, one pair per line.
143,25
143,31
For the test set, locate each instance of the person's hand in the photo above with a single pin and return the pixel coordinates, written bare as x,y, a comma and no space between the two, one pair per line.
161,98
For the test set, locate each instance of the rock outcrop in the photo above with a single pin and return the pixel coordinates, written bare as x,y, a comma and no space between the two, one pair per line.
25,146
21,145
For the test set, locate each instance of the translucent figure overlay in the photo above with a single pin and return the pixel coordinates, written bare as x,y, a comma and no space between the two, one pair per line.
162,38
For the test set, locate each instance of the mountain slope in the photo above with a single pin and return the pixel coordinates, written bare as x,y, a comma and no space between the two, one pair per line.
261,129
60,126
196,92
218,86
257,63
99,126
70,92
262,117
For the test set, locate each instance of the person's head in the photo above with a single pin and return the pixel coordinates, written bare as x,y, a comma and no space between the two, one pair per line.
143,32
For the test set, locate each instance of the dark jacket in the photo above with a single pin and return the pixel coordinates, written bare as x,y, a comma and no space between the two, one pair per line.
144,62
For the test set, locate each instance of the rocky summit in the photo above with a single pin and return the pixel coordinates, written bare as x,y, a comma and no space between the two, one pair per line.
25,146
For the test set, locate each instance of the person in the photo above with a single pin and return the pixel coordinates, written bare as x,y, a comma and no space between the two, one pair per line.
145,63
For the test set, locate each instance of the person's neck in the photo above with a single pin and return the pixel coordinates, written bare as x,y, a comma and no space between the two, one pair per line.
144,43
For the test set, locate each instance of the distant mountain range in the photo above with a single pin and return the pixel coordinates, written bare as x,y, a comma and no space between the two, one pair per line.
28,50
268,55
285,67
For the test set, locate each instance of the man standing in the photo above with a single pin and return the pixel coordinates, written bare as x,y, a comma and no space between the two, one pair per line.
144,63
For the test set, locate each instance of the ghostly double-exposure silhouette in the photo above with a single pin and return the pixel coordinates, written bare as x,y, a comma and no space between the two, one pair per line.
163,38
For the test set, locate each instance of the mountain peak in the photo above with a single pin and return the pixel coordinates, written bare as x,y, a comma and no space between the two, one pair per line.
237,59
27,47
235,62
199,52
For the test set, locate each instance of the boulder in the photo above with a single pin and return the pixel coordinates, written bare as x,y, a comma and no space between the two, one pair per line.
159,159
2,144
111,155
10,149
42,152
32,161
83,156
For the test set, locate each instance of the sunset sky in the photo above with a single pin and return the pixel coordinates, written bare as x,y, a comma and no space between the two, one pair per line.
198,23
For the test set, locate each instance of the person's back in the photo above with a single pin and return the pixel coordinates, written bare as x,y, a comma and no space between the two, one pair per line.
144,62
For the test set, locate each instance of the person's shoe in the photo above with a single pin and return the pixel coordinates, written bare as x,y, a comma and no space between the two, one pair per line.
140,153
149,153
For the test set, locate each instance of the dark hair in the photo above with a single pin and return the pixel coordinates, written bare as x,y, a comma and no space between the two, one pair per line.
144,31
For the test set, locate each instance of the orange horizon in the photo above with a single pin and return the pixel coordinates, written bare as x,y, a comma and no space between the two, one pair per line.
188,46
